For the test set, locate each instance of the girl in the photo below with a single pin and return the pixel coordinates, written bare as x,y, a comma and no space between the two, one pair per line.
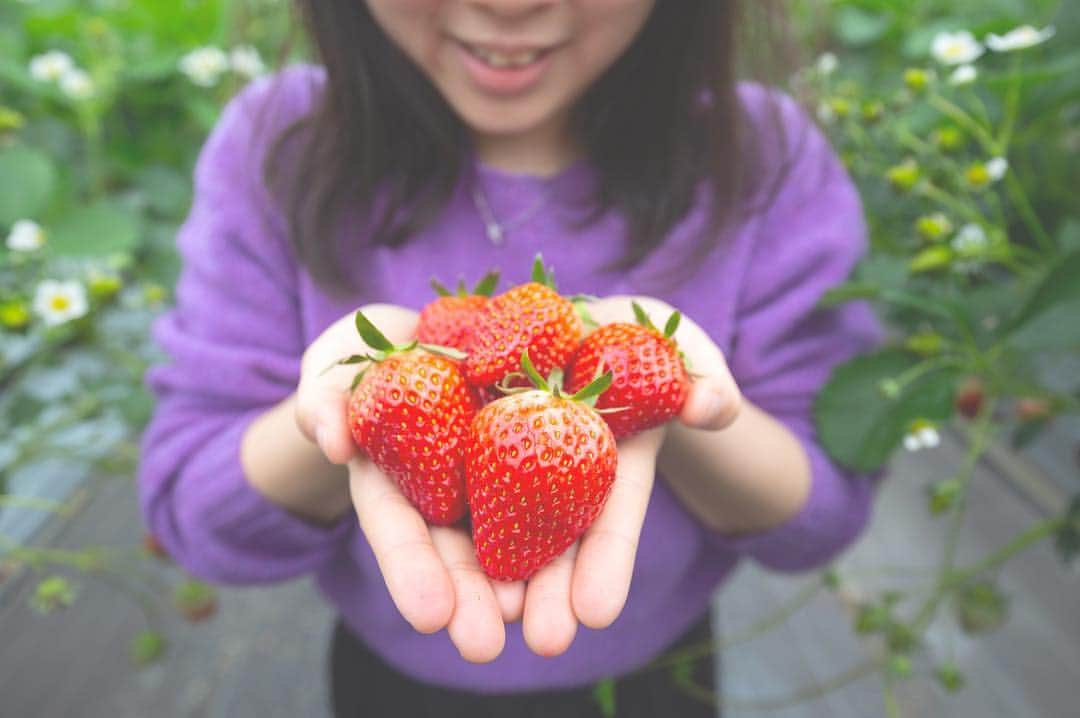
441,138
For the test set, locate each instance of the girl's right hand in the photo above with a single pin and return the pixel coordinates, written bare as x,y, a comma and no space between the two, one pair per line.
431,572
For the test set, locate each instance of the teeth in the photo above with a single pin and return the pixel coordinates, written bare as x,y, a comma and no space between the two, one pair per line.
506,59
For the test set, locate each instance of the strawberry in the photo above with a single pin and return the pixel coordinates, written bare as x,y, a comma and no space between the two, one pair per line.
1033,408
450,320
153,547
540,466
650,380
530,317
410,412
969,398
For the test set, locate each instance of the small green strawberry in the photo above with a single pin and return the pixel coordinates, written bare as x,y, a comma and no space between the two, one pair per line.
410,412
650,379
540,466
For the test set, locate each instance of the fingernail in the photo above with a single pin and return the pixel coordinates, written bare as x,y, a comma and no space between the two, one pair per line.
719,406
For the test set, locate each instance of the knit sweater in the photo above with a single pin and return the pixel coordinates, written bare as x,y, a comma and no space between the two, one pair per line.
246,310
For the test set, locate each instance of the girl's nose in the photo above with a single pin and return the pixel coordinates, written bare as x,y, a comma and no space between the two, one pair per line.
513,9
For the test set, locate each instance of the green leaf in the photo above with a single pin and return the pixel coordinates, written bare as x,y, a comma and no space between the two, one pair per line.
97,230
27,179
856,27
1069,236
672,325
950,677
604,695
594,388
641,316
541,274
1061,285
858,426
440,288
1057,328
372,336
486,286
930,306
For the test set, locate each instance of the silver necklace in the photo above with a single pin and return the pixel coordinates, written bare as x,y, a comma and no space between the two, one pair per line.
496,230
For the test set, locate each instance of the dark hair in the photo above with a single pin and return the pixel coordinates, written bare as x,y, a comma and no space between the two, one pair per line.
384,142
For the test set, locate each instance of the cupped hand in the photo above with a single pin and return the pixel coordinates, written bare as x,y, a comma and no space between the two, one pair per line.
588,584
431,573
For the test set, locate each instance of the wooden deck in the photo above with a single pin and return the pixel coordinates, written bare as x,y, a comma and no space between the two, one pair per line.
264,654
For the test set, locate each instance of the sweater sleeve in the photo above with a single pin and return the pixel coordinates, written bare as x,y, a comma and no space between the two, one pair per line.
809,238
233,343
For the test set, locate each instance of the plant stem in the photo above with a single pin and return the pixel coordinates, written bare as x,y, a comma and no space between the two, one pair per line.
961,117
1021,542
35,503
980,439
806,693
892,707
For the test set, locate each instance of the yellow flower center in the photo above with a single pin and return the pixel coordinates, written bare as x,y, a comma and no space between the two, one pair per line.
59,303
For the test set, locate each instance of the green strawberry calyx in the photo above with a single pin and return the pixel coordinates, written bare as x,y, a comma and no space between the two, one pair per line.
553,384
643,319
381,348
483,288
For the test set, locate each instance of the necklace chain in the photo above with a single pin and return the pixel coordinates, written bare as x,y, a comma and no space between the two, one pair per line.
496,230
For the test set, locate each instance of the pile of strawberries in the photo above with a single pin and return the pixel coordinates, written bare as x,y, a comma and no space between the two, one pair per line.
504,409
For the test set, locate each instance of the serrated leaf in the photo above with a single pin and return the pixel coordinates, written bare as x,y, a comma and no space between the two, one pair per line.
97,230
858,426
27,180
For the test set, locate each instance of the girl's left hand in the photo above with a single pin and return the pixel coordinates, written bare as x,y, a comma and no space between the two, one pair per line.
589,583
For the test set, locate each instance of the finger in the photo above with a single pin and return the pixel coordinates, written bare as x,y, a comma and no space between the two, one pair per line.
322,415
476,626
511,598
605,562
714,402
415,576
549,624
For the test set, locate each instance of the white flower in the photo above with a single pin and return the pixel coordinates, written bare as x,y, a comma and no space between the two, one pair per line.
827,64
59,302
922,435
963,75
205,65
245,60
76,84
1021,38
929,437
996,168
971,240
26,236
50,66
956,48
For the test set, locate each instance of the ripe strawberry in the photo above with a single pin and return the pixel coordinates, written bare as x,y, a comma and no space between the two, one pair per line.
540,466
530,317
450,320
969,398
650,380
410,413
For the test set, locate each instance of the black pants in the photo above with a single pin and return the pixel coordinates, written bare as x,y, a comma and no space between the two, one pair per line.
363,686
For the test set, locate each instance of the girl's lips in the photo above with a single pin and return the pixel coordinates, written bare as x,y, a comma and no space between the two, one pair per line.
509,80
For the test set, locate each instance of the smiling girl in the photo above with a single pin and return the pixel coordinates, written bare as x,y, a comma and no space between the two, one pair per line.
442,138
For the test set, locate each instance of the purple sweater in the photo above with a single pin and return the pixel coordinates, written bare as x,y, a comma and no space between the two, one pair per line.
245,311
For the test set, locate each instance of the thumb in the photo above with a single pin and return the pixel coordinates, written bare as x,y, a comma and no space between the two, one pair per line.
321,415
713,403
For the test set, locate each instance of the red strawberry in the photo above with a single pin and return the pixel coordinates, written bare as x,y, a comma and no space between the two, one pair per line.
540,466
153,546
1033,408
450,320
530,317
969,398
650,381
410,413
